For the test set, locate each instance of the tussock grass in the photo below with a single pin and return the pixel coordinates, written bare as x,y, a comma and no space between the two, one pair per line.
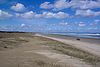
11,40
42,63
71,51
7,43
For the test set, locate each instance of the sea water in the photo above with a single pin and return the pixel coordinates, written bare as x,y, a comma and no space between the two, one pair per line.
79,34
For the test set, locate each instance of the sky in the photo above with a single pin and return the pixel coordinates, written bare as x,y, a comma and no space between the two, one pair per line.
50,15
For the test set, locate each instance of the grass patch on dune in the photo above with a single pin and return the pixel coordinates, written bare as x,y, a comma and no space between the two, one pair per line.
11,40
70,50
42,63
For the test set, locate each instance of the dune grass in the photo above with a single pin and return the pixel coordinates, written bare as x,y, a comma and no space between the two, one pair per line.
42,63
71,51
11,40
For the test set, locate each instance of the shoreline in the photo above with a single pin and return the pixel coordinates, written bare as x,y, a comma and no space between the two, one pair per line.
71,37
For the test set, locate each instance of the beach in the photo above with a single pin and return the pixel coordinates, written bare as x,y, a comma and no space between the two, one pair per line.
38,50
91,45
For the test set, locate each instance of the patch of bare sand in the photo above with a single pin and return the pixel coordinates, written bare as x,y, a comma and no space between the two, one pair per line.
70,61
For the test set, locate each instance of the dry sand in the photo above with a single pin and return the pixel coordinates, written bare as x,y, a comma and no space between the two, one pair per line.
85,45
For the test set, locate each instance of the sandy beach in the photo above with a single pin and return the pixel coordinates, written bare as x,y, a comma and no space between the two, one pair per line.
91,45
37,50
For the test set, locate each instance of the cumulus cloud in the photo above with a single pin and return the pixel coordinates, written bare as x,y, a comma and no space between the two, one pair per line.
48,14
87,13
27,15
84,4
4,15
18,7
31,14
79,4
59,4
46,5
59,15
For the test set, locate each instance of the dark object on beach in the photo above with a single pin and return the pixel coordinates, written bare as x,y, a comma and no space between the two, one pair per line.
5,47
77,39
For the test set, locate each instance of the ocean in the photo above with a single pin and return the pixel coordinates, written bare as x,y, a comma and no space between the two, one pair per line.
79,34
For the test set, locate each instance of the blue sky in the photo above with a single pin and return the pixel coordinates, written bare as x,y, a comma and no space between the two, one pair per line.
50,15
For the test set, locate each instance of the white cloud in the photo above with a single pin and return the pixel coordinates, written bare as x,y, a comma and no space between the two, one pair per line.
18,7
48,14
4,15
59,15
87,13
22,25
61,4
79,4
31,14
46,5
27,15
84,4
